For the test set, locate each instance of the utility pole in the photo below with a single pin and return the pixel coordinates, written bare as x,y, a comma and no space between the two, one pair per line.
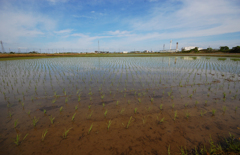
170,45
177,47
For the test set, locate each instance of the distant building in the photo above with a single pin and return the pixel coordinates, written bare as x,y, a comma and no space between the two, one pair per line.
190,47
146,51
125,52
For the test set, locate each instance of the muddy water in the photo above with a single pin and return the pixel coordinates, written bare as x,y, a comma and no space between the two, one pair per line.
88,87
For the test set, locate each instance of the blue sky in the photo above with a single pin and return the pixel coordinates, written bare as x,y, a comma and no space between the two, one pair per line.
118,24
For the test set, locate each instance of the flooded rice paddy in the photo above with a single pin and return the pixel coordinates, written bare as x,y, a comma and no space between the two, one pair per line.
117,105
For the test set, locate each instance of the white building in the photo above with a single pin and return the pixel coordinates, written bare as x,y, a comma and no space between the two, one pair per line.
125,52
190,47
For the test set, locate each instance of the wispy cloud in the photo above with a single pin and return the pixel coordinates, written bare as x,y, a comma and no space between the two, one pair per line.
63,31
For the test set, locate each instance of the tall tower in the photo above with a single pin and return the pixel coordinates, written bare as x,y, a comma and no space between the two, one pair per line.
176,46
2,46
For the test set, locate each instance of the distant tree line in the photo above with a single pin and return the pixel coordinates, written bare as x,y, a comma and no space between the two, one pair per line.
224,49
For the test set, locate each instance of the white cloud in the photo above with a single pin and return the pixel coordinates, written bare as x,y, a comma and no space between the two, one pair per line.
92,11
63,31
191,18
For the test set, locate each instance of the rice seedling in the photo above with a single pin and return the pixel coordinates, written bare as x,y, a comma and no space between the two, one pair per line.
236,108
128,101
102,96
139,100
15,123
135,110
121,112
213,112
186,104
34,121
161,121
175,115
90,129
10,114
103,105
29,112
183,151
44,134
161,106
66,100
169,150
73,117
44,111
109,124
117,103
148,109
105,113
89,107
17,139
66,132
173,105
224,95
187,114
76,107
79,99
61,108
129,122
51,119
224,108
90,115
144,119
151,99
190,96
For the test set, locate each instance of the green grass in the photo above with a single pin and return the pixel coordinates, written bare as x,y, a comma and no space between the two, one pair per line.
44,134
66,132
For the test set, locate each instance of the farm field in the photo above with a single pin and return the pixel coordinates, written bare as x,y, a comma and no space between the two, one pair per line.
118,105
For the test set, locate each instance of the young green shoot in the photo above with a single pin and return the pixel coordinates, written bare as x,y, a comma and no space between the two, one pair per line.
109,124
34,121
51,119
187,114
61,108
105,113
76,107
73,117
224,108
213,112
121,112
161,106
175,115
44,111
129,122
15,123
66,132
89,107
44,134
90,129
135,110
